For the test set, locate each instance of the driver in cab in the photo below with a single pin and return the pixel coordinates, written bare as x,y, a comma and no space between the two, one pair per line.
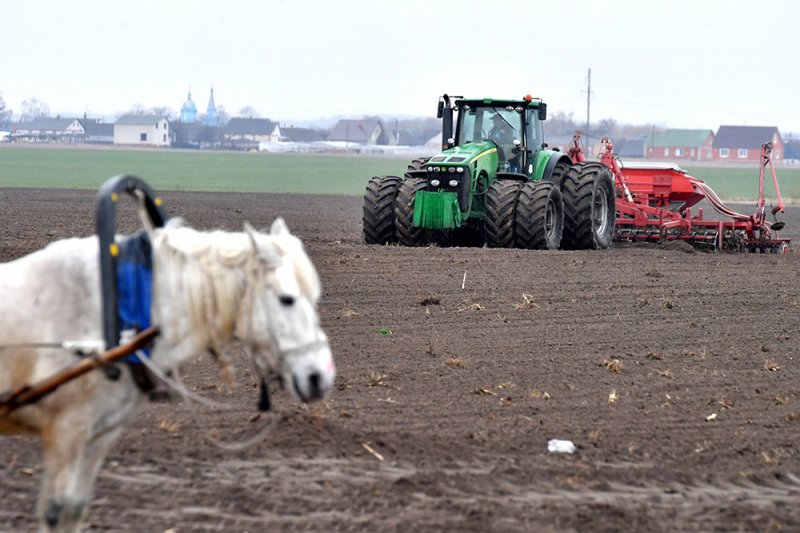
502,134
501,131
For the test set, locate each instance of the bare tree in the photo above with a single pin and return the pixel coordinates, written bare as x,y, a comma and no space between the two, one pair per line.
222,115
609,126
162,111
5,112
33,108
248,112
560,123
639,130
136,109
424,128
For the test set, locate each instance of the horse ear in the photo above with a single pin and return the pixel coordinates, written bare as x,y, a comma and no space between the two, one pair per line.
251,233
279,227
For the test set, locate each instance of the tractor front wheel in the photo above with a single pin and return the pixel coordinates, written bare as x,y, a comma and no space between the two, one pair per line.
418,164
501,208
378,217
407,233
589,207
540,216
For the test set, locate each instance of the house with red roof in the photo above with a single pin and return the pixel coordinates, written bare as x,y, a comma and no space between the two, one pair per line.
743,143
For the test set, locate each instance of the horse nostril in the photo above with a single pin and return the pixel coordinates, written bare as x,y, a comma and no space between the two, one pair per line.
313,385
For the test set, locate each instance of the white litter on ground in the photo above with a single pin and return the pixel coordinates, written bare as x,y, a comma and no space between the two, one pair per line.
560,446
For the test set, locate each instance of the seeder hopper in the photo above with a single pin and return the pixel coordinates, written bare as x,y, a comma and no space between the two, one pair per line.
655,203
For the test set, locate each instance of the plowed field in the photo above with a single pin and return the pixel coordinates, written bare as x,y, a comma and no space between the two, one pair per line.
674,373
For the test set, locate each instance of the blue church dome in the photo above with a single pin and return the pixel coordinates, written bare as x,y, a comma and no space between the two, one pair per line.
189,110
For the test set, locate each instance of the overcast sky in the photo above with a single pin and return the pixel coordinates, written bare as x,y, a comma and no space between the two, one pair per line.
681,64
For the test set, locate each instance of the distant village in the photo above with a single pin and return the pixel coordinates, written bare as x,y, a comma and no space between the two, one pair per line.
729,144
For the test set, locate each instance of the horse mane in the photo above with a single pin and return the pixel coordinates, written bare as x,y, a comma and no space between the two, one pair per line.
200,279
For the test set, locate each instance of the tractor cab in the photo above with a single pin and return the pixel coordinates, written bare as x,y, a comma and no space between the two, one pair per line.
515,128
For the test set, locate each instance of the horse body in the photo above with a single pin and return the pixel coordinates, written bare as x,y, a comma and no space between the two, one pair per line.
208,289
62,304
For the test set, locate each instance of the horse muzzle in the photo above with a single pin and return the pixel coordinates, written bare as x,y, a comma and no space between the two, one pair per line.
312,375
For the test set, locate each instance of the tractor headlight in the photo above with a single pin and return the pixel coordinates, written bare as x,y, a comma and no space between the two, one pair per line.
430,169
437,169
435,183
451,170
453,183
459,169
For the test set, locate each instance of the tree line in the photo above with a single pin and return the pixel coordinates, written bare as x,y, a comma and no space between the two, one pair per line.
558,123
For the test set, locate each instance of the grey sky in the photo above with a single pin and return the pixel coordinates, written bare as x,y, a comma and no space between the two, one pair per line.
684,63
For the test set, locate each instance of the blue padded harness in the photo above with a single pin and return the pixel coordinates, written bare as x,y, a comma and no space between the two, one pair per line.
135,285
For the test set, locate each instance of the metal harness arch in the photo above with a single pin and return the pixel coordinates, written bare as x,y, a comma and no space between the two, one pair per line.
108,197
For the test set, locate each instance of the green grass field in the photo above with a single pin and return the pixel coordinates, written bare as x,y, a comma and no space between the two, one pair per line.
83,168
741,183
193,171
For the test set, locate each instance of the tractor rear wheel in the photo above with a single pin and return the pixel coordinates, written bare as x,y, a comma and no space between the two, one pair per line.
589,207
378,217
558,174
407,233
501,208
540,216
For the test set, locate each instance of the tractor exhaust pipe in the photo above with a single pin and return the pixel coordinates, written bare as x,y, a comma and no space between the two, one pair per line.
445,112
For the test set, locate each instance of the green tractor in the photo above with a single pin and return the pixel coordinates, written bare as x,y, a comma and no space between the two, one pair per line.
495,182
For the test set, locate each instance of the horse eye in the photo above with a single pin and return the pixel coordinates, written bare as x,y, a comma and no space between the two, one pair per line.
286,300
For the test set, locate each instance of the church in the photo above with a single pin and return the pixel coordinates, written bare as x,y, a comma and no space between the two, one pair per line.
194,131
189,111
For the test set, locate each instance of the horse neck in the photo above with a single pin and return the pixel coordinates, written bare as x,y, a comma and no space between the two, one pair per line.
196,299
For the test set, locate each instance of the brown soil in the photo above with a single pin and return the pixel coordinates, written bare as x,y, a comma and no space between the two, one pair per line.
674,373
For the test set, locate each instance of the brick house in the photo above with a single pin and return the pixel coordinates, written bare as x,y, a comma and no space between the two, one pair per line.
681,144
743,143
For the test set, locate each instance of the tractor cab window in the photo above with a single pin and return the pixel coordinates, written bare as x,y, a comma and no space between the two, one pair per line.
468,126
533,132
497,124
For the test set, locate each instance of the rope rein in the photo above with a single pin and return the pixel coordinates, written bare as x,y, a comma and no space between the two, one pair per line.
180,388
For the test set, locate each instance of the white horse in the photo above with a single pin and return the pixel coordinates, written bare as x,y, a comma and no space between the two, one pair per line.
208,289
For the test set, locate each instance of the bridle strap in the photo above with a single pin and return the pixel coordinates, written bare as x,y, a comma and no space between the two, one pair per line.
319,343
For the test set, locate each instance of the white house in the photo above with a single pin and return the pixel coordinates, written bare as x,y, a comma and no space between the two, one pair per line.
143,130
49,129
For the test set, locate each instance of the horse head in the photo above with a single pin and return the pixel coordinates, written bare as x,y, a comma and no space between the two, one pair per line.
278,319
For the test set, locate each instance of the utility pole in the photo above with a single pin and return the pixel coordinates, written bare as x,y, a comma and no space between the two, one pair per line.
588,110
588,98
